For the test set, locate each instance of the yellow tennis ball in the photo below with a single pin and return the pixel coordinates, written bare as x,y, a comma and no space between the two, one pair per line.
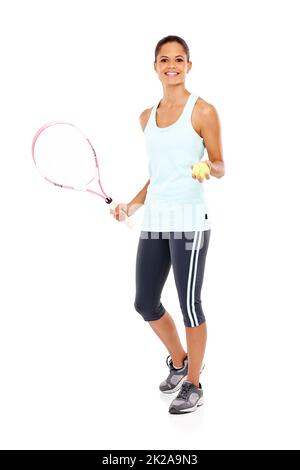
200,169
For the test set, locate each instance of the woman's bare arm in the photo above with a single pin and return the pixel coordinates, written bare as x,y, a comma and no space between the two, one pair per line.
211,133
138,200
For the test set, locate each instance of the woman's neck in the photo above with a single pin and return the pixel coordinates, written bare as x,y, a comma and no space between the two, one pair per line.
174,97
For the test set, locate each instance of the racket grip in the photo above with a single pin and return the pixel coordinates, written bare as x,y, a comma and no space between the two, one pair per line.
128,222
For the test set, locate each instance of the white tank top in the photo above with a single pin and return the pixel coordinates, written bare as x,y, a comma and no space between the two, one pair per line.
174,201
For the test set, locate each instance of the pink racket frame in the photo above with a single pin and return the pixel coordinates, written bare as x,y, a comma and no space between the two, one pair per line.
104,196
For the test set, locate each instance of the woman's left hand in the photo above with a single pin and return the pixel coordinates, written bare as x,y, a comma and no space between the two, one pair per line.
206,175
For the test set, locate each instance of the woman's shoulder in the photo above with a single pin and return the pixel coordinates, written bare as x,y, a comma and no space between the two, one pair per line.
201,112
144,117
202,105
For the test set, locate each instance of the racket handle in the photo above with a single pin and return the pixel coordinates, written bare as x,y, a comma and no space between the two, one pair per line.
129,223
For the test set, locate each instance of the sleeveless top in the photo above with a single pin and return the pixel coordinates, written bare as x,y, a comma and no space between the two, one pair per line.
174,200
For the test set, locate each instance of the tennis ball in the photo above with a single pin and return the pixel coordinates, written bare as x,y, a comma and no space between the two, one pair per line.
200,169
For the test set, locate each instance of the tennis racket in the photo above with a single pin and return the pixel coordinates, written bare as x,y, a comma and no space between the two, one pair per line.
65,157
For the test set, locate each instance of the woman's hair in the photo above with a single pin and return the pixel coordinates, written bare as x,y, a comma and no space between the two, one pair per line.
172,39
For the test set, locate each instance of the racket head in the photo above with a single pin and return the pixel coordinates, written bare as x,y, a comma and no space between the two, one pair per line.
64,156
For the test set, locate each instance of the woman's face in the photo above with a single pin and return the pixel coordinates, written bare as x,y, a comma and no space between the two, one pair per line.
172,58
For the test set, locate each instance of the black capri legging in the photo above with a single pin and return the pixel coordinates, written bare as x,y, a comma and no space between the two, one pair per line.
156,252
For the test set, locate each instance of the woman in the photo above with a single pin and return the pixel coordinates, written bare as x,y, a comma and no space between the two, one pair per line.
176,225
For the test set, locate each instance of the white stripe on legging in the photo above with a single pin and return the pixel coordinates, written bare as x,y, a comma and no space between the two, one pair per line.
192,280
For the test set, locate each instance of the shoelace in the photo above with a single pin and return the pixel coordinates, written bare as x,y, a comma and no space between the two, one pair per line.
184,390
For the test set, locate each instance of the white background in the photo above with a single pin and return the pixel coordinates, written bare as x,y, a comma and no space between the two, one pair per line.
79,368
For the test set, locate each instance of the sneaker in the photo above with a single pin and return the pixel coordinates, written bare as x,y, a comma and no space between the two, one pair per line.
188,399
175,378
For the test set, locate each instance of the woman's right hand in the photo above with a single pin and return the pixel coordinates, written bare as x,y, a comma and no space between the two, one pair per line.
118,213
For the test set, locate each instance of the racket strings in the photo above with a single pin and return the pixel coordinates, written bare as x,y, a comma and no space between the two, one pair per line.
66,158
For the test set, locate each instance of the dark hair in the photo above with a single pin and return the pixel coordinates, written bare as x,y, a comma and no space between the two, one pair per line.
172,39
